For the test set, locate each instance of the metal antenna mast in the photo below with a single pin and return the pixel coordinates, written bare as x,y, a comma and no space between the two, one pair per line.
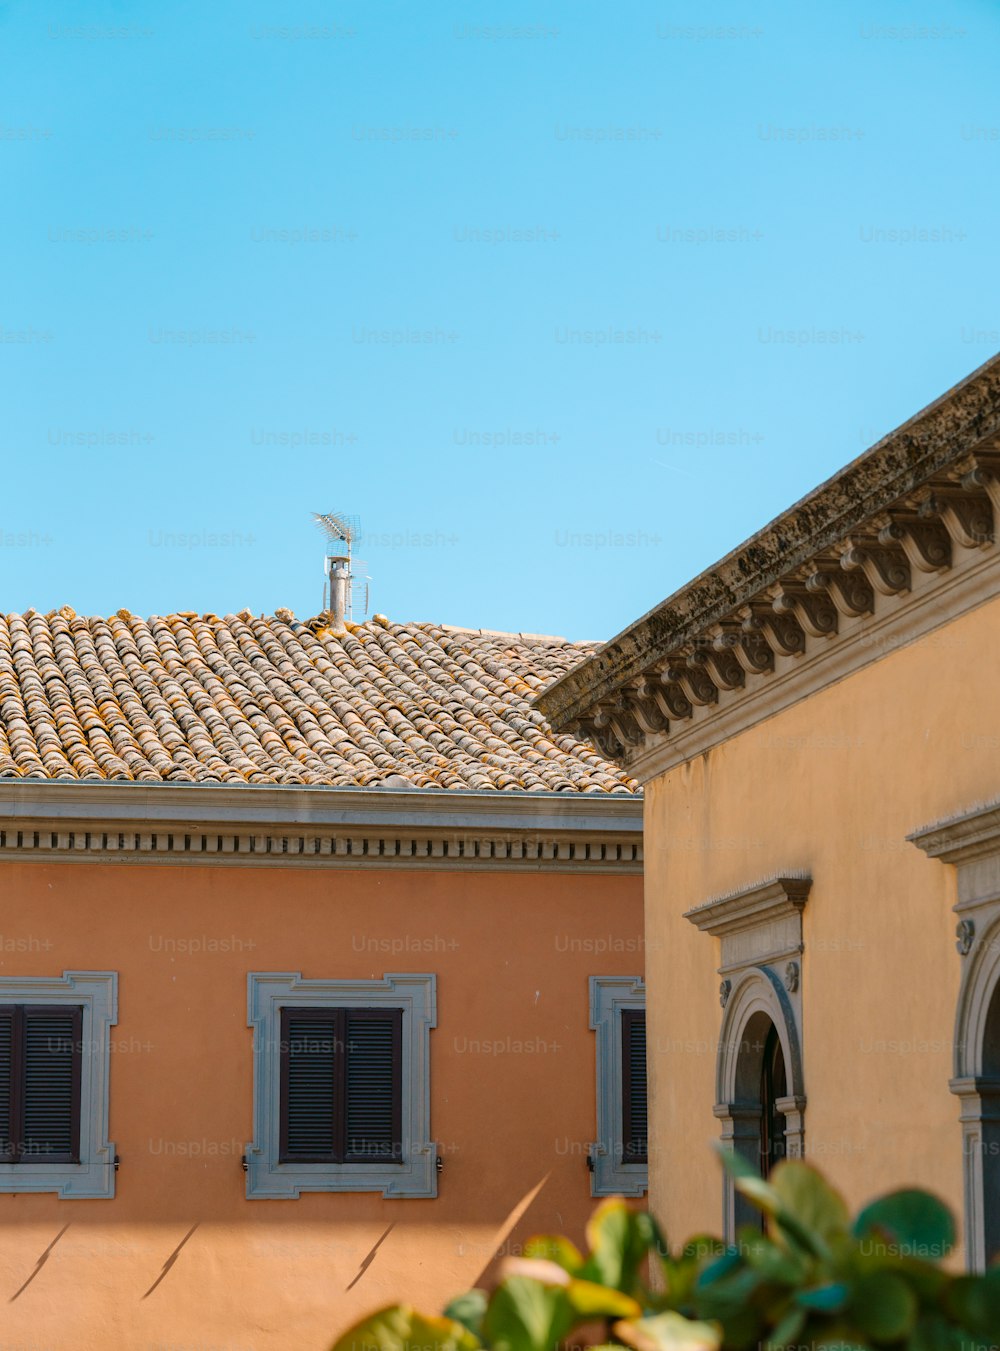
341,531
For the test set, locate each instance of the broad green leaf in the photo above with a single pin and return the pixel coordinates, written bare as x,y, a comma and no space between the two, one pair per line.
703,1246
806,1196
933,1333
734,1164
535,1269
525,1315
824,1298
727,1262
761,1193
588,1300
884,1307
778,1265
804,1201
619,1239
910,1224
730,1296
788,1330
669,1332
555,1248
468,1309
678,1277
401,1328
975,1302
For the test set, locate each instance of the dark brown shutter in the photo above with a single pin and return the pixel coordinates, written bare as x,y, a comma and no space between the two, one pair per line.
309,1090
341,1085
7,1131
50,1084
634,1118
373,1085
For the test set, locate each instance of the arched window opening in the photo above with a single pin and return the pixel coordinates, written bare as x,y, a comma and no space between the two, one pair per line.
760,1092
989,1139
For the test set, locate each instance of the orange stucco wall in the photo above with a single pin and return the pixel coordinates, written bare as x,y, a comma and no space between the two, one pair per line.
832,787
512,1094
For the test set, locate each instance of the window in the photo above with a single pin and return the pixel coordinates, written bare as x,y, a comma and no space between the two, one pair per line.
341,1086
54,1061
40,1083
971,842
760,1097
634,1128
619,1157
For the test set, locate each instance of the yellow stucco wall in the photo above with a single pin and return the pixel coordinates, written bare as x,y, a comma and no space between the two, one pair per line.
832,787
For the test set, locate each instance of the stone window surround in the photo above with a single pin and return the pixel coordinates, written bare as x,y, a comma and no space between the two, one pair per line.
609,1174
760,929
93,1178
416,1175
971,843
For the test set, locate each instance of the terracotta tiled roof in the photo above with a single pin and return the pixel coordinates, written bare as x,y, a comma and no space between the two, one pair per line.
185,698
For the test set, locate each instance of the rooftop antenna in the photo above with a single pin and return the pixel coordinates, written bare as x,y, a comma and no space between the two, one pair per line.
342,589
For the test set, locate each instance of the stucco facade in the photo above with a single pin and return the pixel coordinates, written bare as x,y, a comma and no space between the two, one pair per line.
829,789
179,1257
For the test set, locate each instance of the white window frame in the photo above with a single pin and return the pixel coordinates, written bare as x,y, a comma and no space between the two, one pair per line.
610,1175
416,1175
93,1178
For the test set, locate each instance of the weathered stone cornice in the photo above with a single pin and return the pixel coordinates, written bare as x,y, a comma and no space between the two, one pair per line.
897,524
771,899
958,840
319,827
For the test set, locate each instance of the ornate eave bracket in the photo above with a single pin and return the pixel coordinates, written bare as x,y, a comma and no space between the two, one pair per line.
825,608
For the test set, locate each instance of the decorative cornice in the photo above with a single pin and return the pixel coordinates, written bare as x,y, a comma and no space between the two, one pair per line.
884,534
255,827
748,908
975,834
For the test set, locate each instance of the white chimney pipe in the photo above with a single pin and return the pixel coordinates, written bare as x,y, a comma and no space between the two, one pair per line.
340,581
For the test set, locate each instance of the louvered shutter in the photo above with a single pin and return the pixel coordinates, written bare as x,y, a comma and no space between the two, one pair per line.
373,1085
50,1085
634,1114
341,1085
7,1132
310,1064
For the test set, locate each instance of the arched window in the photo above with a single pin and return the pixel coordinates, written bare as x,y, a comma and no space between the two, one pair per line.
977,1085
760,1093
972,843
759,1088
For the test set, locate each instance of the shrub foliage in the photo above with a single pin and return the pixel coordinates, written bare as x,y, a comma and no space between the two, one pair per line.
806,1279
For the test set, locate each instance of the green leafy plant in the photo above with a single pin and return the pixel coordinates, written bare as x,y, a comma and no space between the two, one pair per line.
807,1279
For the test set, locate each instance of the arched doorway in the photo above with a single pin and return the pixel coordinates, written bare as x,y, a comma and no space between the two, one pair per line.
759,1083
977,1084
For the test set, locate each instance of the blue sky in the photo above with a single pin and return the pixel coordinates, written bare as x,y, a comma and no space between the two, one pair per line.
563,300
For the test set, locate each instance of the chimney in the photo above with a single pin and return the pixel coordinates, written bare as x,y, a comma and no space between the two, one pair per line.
340,532
338,569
